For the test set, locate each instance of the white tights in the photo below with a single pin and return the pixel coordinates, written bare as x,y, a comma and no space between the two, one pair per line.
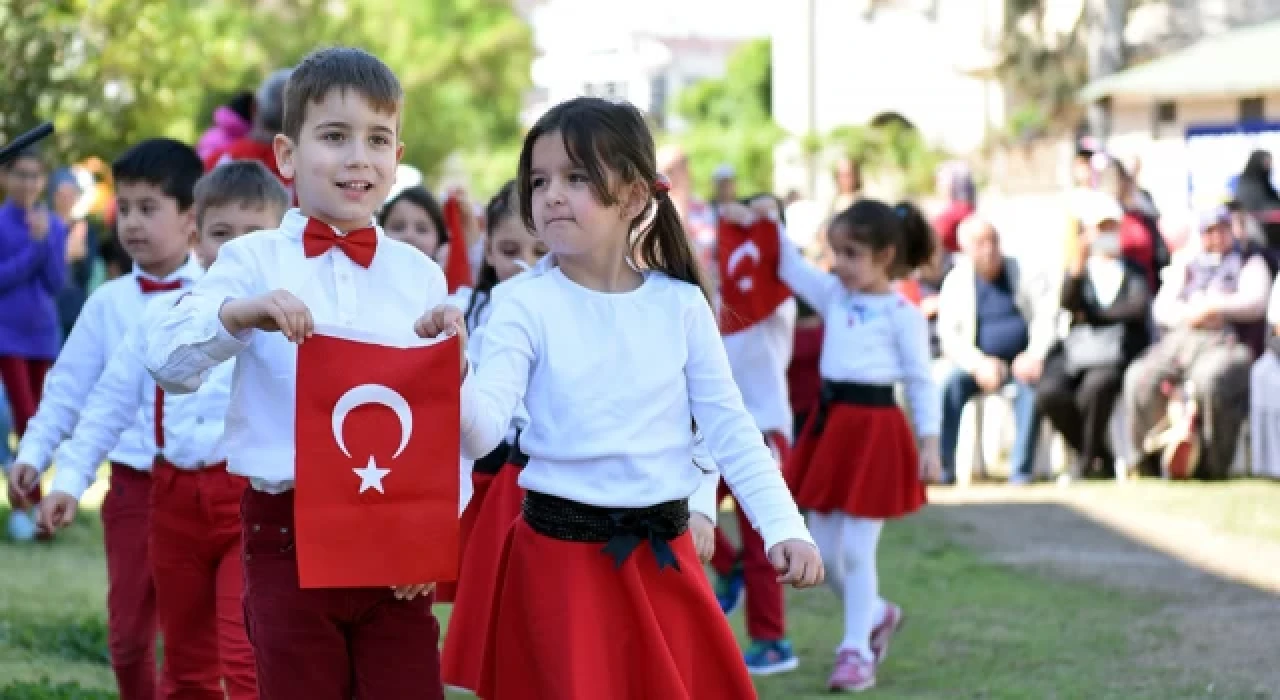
848,547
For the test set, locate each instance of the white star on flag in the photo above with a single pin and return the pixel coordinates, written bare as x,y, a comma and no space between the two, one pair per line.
371,476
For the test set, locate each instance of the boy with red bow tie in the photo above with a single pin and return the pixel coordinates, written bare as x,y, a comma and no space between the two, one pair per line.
326,264
195,503
155,225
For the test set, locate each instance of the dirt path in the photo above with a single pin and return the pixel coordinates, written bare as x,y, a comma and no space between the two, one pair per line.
1220,592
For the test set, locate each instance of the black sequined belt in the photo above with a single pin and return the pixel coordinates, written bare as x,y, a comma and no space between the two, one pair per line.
854,393
621,529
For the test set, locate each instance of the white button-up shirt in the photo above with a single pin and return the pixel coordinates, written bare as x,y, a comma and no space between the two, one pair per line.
125,395
102,325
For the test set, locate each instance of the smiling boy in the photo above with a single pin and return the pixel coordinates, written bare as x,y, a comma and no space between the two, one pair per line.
327,263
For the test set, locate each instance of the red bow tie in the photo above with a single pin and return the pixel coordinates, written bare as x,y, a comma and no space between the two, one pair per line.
358,245
150,286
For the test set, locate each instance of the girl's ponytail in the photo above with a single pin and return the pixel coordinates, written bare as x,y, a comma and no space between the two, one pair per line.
664,245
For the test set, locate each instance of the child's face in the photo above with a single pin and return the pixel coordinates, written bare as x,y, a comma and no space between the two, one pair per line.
152,229
566,214
409,223
230,221
511,244
344,160
24,180
857,266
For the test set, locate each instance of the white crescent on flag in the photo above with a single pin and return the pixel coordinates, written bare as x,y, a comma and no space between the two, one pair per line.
748,249
372,394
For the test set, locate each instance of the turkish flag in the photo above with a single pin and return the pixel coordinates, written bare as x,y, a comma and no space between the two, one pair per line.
457,268
377,449
750,289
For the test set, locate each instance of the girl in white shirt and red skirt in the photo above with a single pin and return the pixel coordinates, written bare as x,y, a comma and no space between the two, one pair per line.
613,348
856,462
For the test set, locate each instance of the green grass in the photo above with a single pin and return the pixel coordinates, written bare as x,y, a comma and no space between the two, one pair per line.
976,630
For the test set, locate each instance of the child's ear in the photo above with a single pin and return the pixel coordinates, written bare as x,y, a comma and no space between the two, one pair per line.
635,199
284,149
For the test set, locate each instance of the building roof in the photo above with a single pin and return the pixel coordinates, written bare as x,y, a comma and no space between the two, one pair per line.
1235,63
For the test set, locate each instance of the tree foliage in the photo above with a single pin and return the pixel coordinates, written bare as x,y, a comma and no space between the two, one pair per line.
730,121
111,72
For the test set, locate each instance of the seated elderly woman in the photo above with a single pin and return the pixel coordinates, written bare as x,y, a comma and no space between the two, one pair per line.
1107,297
1210,308
1264,398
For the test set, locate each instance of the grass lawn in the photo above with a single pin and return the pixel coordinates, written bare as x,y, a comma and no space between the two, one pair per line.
976,630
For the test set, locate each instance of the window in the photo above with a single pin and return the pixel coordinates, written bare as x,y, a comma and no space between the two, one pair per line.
1252,109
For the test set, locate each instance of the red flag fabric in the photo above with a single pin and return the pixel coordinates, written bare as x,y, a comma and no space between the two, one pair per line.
457,268
750,289
376,443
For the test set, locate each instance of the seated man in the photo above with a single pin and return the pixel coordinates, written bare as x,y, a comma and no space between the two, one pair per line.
995,326
1211,309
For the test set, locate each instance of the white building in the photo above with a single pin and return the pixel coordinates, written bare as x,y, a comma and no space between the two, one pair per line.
644,54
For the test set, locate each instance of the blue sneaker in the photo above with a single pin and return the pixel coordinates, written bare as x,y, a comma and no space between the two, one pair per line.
768,658
729,589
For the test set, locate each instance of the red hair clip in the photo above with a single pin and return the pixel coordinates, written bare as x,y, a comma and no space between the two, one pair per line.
661,184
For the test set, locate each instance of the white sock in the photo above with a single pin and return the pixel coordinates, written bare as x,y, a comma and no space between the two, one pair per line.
859,537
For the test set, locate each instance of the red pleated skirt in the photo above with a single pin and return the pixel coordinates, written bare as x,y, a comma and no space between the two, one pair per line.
569,625
480,482
464,642
863,463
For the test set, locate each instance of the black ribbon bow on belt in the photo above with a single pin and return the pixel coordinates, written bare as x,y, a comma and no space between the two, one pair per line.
631,529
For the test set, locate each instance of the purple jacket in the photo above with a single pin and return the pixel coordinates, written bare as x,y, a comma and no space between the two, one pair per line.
31,275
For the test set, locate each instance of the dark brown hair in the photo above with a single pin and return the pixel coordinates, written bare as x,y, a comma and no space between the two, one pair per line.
243,182
339,68
500,208
168,164
878,226
422,198
604,138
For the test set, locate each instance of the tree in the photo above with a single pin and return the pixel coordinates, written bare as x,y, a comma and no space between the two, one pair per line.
1045,69
730,121
111,72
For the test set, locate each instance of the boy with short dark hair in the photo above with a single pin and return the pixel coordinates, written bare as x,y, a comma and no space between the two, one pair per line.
326,263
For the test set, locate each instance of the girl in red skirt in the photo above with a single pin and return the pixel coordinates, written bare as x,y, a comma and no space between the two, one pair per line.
856,463
613,348
510,247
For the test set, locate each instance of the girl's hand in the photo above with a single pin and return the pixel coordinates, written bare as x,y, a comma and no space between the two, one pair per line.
797,563
739,214
930,460
704,536
446,319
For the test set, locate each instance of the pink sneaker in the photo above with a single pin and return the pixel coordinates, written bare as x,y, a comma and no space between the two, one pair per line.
852,672
893,620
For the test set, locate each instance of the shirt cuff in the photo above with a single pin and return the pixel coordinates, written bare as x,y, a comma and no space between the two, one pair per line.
782,530
222,344
71,482
704,500
31,455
